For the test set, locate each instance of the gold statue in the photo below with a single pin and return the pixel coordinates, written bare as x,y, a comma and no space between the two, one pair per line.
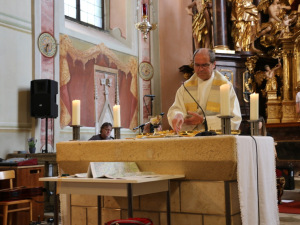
245,24
285,26
278,23
274,21
271,84
251,63
249,85
202,23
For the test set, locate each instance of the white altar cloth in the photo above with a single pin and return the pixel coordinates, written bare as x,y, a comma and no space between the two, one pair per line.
266,211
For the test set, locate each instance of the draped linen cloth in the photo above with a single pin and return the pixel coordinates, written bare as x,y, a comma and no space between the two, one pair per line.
257,180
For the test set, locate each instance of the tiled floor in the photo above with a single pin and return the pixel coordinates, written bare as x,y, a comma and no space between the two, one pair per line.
285,219
289,219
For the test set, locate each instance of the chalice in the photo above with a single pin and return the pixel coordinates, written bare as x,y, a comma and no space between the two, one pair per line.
156,121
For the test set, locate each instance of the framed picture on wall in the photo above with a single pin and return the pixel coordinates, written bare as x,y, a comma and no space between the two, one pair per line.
146,70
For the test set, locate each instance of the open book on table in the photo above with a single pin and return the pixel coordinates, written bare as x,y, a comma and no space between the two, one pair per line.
122,170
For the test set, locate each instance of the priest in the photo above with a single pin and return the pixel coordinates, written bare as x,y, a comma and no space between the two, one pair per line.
202,89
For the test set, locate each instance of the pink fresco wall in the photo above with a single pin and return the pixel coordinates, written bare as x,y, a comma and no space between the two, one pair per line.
47,67
118,16
145,55
47,25
77,76
118,20
176,48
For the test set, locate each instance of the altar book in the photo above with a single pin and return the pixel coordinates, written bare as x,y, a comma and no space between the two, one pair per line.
112,169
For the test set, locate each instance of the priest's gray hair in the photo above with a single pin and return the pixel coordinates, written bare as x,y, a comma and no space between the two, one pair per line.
212,56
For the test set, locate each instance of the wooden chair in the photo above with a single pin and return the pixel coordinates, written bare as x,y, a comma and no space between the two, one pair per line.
9,207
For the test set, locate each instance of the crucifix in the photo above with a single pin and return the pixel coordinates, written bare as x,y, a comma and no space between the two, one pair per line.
107,83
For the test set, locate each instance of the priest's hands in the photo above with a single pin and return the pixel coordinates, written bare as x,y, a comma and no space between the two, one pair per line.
193,118
177,122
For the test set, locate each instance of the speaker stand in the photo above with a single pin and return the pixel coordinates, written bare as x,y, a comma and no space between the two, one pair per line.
46,141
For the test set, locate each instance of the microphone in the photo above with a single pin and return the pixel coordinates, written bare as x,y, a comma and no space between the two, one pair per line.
151,96
206,132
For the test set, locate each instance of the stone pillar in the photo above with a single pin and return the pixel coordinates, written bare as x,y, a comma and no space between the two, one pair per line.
220,25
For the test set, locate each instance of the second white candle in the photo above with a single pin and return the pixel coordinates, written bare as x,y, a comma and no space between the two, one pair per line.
117,116
76,112
254,100
225,99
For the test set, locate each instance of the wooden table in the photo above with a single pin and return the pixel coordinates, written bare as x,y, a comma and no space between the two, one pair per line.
133,186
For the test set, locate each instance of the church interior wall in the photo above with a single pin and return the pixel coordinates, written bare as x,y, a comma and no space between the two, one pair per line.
19,66
168,47
15,75
176,49
78,80
119,49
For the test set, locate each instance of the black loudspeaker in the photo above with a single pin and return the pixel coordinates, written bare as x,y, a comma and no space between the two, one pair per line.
43,98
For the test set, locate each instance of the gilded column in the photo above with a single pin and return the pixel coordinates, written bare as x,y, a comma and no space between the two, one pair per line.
220,25
296,74
285,74
297,62
288,104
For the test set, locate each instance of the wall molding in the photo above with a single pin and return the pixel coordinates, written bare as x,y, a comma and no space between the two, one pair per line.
15,23
125,132
4,126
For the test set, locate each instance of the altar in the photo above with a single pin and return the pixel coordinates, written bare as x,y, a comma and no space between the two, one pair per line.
224,178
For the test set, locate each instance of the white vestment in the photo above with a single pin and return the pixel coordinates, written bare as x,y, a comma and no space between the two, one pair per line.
203,91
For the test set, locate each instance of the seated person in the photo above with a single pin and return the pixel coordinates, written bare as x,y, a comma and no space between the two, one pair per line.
104,132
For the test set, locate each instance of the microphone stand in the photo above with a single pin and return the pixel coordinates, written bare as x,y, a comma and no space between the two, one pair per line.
206,132
141,126
151,126
151,113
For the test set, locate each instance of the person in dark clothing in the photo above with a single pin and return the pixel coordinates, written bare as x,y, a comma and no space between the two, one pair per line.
105,132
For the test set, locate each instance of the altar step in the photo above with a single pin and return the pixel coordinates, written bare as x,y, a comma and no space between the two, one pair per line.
293,194
297,182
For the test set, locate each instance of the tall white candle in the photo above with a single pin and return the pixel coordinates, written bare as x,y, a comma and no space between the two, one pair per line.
76,112
254,106
225,99
117,116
